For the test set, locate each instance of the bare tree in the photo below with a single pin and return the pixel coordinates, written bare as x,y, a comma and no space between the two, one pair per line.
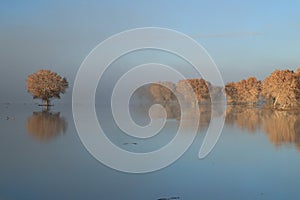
45,85
244,91
282,89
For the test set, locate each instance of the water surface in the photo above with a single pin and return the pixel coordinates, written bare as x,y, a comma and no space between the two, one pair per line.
42,157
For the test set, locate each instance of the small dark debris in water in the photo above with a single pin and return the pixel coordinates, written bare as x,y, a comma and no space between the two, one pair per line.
9,118
170,198
127,143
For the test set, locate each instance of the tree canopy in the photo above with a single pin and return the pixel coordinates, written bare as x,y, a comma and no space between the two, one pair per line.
199,87
45,85
244,91
163,91
282,89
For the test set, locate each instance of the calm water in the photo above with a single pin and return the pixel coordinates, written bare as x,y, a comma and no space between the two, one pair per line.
257,157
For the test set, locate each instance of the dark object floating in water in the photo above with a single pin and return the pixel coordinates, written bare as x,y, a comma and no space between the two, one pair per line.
170,198
126,143
45,105
10,118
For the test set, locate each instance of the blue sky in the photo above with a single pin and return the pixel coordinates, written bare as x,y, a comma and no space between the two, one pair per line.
245,38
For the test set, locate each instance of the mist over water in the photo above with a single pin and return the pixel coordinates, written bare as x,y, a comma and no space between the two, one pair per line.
41,154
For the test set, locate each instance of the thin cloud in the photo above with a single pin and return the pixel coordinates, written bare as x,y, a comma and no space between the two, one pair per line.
229,34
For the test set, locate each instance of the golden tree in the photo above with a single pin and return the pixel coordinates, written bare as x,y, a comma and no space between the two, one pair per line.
282,89
298,70
45,85
163,91
244,91
199,87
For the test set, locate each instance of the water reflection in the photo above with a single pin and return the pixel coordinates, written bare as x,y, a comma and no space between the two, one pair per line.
282,127
243,117
45,125
173,111
149,95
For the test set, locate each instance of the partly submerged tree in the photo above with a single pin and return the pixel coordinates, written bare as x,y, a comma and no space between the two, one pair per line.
282,89
45,85
163,91
199,88
244,91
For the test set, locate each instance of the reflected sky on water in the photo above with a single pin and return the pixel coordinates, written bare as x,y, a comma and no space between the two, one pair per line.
257,157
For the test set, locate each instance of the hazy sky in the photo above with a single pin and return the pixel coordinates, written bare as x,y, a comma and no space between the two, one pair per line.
245,38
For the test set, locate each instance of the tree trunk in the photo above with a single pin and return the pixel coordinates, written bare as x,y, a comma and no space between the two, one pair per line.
46,102
275,102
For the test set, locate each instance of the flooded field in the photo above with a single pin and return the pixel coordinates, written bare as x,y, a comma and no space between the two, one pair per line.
256,157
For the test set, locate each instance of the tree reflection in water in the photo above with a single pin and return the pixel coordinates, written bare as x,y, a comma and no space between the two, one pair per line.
46,125
243,117
173,111
282,127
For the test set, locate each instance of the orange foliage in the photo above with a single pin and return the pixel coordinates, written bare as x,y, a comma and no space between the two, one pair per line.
45,84
244,91
162,91
282,89
198,87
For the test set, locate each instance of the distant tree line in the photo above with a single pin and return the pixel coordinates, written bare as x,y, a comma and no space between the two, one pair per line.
280,90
